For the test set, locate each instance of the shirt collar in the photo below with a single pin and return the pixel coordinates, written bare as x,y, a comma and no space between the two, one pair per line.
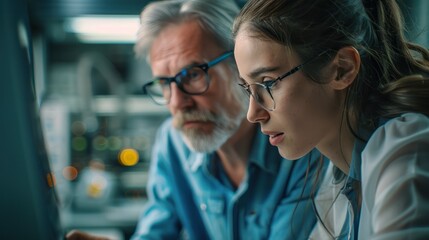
355,167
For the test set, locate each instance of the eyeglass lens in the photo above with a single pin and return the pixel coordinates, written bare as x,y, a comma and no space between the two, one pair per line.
159,90
191,81
261,94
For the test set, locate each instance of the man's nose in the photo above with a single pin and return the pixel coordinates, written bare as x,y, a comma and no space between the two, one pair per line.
179,99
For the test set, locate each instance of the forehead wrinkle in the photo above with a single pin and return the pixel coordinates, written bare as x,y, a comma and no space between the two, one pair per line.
192,46
177,40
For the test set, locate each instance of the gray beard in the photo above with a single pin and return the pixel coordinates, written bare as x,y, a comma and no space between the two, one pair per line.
200,141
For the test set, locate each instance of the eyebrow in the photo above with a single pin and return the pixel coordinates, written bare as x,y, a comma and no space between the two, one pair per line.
192,64
255,73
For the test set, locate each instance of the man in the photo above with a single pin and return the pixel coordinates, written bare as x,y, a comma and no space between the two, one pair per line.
213,174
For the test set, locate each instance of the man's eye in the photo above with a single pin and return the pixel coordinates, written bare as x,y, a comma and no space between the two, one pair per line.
162,82
194,75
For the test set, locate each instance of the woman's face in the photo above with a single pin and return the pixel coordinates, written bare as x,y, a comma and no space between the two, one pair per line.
306,113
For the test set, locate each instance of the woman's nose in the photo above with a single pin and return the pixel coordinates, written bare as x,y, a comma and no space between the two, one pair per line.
255,113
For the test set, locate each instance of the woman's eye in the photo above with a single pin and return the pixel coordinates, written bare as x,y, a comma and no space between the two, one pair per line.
267,79
268,82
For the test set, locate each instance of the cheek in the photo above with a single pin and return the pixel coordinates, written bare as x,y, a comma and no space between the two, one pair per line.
297,99
305,108
171,109
306,114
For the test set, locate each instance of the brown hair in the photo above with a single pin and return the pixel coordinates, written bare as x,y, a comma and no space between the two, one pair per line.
393,77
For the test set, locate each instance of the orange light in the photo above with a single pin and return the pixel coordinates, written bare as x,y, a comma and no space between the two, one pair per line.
50,178
128,157
70,173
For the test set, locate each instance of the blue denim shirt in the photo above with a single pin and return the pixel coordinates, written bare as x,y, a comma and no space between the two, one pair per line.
189,192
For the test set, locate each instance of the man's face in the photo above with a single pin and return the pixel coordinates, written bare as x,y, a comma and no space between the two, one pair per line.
208,120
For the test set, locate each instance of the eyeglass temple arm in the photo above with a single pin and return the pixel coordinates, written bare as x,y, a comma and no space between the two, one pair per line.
302,65
220,59
144,87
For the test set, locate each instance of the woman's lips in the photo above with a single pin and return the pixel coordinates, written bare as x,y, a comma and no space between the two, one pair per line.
275,138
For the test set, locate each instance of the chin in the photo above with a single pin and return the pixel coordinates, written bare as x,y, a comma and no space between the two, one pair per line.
290,155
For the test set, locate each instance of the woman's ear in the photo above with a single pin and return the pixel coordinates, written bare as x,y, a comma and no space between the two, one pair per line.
347,63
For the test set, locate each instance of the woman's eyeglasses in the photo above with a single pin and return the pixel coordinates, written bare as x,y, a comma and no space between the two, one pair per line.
262,92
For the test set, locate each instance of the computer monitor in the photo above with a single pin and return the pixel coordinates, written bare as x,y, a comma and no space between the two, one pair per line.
27,199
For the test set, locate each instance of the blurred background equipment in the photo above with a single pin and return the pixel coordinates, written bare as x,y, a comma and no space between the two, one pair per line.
28,201
98,125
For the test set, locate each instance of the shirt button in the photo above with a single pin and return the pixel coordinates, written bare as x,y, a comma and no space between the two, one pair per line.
203,206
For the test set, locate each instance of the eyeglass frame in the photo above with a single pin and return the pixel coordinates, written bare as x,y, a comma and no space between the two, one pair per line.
269,84
204,66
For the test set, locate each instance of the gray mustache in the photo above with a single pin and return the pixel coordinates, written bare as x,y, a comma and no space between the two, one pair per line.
194,115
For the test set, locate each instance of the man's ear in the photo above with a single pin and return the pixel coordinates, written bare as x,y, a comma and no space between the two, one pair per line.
347,63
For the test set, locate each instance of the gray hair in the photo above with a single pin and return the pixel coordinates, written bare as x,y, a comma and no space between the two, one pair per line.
215,17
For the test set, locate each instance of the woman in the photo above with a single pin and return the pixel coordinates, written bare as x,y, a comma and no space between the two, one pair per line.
339,75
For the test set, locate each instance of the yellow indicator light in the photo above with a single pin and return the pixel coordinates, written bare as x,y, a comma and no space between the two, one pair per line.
96,187
128,157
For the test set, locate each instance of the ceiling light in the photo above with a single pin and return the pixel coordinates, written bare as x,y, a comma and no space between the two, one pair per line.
104,29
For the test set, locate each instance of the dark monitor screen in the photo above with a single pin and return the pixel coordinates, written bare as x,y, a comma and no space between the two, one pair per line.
27,199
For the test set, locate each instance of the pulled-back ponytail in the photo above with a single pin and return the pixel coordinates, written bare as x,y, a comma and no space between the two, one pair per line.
401,68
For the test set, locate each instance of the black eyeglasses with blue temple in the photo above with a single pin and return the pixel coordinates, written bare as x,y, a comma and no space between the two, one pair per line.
193,80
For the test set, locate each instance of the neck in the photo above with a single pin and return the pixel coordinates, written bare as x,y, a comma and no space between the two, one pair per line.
339,147
234,153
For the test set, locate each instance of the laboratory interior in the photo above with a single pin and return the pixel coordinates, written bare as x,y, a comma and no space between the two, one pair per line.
97,125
